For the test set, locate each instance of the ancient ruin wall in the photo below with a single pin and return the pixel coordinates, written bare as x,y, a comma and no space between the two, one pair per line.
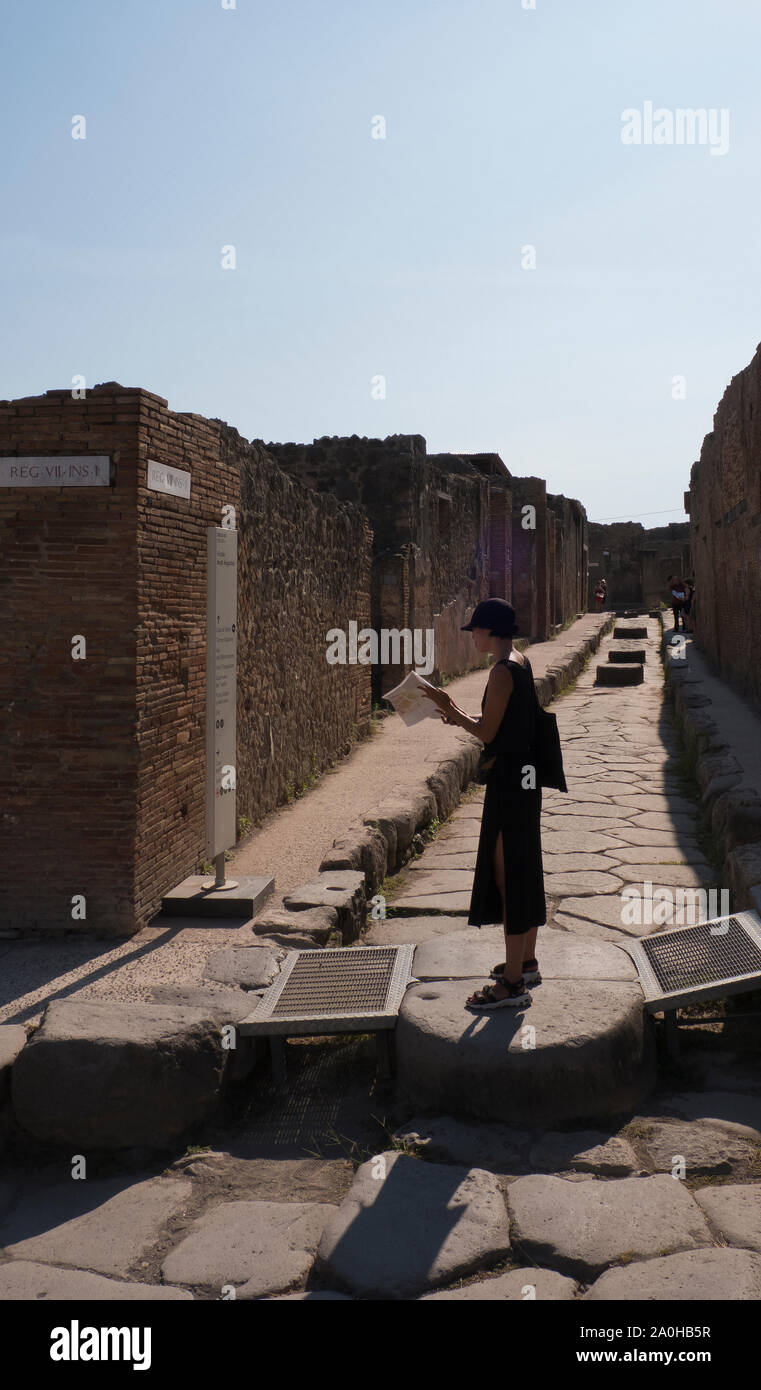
725,515
636,561
429,516
103,785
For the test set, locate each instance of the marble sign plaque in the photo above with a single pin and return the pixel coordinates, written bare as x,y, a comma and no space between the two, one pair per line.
55,470
162,478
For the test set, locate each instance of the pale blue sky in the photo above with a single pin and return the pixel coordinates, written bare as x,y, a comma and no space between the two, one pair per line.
400,257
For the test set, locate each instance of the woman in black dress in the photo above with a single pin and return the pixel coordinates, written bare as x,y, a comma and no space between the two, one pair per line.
508,885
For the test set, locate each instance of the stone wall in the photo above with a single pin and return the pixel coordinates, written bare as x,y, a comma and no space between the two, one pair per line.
430,522
636,561
103,786
449,531
724,503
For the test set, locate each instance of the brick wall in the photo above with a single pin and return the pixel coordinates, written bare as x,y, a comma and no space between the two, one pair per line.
103,792
725,515
68,567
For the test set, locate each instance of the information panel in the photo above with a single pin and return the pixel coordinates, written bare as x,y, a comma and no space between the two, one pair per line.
221,685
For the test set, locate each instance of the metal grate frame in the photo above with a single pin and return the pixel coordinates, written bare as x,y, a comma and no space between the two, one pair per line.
347,990
688,964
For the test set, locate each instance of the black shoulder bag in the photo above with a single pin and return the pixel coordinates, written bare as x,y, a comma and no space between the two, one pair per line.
548,754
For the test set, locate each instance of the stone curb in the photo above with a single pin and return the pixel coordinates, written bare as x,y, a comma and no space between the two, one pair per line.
379,844
734,814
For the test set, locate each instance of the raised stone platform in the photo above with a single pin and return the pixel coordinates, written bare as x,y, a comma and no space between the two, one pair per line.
191,899
584,1050
621,673
631,654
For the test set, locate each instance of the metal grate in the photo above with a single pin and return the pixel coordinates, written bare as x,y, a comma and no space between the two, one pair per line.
331,984
356,989
710,960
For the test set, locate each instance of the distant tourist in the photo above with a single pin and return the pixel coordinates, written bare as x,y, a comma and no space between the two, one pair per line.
601,593
688,608
508,885
678,600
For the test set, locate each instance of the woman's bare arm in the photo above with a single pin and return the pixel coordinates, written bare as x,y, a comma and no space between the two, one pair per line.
484,726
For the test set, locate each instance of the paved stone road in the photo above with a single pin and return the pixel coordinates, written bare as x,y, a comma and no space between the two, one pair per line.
493,1211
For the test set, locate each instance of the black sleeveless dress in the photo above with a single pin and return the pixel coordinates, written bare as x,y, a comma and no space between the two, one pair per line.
516,811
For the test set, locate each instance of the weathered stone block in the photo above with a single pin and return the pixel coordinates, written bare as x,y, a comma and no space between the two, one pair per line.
362,847
342,889
405,1227
625,673
109,1075
580,1228
247,967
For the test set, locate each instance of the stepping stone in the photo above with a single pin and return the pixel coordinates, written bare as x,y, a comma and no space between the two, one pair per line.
152,1071
585,1151
250,967
101,1225
23,1280
622,633
405,1227
632,654
717,1275
705,1146
497,1148
260,1247
469,954
518,1285
583,1050
735,1212
623,673
581,1229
